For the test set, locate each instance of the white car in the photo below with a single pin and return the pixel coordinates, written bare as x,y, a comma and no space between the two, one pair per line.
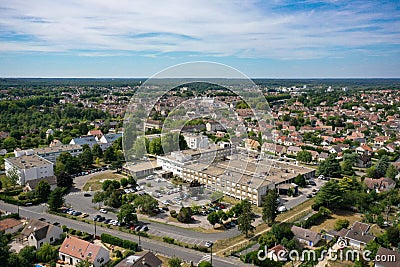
209,244
103,211
282,208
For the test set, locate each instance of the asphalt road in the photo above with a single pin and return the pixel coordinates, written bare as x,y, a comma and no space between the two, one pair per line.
148,244
84,204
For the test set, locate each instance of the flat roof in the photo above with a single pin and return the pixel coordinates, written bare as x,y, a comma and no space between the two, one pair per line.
54,149
250,172
27,162
141,166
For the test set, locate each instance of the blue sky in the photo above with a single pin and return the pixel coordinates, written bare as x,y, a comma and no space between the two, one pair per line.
271,39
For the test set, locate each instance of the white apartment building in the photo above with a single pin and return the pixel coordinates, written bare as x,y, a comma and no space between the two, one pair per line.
195,141
51,153
29,168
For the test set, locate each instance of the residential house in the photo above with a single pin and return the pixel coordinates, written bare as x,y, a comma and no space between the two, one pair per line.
252,144
364,149
364,161
89,140
214,126
323,156
379,141
277,253
37,232
358,235
387,258
10,225
141,259
95,133
380,185
306,236
3,152
293,150
74,250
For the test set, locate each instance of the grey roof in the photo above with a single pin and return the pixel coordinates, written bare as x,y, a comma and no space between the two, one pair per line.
392,258
112,137
136,260
85,140
359,236
306,234
38,228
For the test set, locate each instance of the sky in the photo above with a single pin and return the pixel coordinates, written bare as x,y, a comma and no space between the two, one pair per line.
262,39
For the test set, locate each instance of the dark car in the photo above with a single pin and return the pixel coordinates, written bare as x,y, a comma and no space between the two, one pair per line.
137,228
87,195
312,183
100,219
107,221
309,196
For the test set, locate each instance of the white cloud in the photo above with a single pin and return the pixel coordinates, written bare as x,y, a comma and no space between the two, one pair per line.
219,28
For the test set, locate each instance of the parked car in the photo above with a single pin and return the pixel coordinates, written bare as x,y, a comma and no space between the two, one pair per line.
144,228
312,183
209,244
87,195
107,221
282,208
103,211
84,215
137,228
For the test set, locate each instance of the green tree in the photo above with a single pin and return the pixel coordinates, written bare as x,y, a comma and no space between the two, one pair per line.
42,190
56,199
139,147
145,203
304,156
67,163
268,239
246,218
124,182
85,263
4,247
12,176
270,207
330,196
204,264
117,165
341,223
347,168
185,215
300,180
330,167
47,253
115,200
174,262
86,158
97,151
99,196
28,253
109,155
64,179
213,218
127,214
372,246
155,147
391,172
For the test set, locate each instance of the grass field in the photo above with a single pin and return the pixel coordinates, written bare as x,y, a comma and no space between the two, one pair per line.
95,183
329,224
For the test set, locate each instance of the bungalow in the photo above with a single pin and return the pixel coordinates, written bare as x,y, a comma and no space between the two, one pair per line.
379,141
387,258
74,250
379,185
358,235
10,225
36,233
323,156
306,236
141,259
293,150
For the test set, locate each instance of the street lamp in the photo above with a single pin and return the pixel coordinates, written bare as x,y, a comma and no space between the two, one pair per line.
210,244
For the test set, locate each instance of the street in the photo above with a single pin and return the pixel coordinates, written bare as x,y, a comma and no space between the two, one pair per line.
146,243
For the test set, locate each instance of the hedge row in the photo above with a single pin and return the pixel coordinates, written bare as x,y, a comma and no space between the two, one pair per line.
12,215
116,241
11,200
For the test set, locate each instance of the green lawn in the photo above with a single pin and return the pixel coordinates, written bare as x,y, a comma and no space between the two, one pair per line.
96,181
